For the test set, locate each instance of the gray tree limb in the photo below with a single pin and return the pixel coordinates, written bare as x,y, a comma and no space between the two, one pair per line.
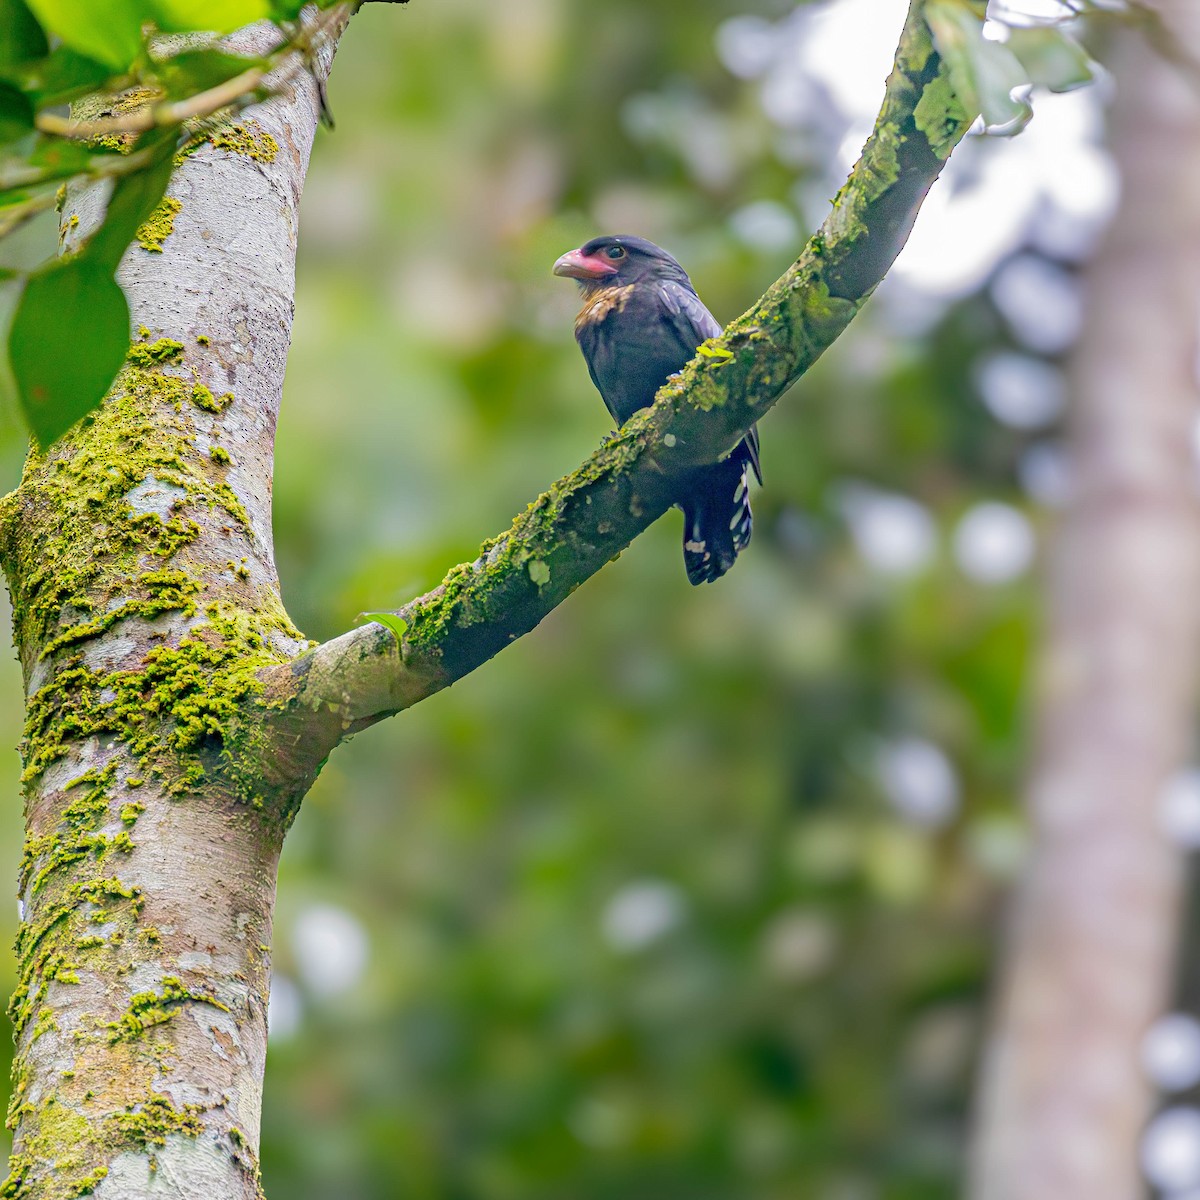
590,516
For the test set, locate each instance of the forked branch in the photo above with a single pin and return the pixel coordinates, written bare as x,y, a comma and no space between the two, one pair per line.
587,518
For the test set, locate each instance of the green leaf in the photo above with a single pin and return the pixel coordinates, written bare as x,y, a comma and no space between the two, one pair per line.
287,10
983,73
16,114
11,283
1051,57
63,156
110,31
389,621
133,199
70,333
215,16
198,70
997,74
15,213
21,37
58,78
69,337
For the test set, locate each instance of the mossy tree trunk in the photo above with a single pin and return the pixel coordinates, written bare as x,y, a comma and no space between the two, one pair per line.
175,719
145,597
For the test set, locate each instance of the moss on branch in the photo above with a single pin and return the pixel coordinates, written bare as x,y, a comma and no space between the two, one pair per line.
587,518
147,1009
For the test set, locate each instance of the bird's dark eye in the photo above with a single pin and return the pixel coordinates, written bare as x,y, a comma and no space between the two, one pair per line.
615,252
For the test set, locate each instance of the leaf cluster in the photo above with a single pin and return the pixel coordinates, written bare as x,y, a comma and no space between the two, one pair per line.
143,94
994,75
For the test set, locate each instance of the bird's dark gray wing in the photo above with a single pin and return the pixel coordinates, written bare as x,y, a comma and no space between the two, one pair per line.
686,313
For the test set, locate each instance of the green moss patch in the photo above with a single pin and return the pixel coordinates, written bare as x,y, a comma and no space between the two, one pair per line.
152,1121
148,1009
248,139
65,1140
77,835
203,398
939,114
159,225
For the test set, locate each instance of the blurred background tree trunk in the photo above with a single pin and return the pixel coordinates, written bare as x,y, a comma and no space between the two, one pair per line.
1094,928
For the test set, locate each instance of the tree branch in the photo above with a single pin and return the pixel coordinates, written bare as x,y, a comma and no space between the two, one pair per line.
252,86
587,518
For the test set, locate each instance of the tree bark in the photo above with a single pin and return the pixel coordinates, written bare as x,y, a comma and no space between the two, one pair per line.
139,555
175,718
1095,921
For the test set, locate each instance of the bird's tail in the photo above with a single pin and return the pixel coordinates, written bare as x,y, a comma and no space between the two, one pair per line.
717,521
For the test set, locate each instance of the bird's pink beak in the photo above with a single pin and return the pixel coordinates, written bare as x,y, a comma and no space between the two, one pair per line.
577,265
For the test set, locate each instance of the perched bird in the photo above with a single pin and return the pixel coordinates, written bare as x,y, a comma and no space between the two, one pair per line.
641,321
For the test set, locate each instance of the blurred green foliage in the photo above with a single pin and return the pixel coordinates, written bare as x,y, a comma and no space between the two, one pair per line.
638,919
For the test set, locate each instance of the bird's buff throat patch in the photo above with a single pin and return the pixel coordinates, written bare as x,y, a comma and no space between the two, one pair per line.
598,304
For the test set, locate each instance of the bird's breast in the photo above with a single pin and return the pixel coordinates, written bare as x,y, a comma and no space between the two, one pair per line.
600,304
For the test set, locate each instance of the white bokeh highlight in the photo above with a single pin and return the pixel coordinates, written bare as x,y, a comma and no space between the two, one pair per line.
1020,391
285,1009
1171,1052
894,534
1041,303
1170,1149
766,225
330,948
641,913
1179,809
746,45
919,780
994,543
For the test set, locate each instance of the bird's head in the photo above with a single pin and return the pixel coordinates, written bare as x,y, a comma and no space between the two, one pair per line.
616,260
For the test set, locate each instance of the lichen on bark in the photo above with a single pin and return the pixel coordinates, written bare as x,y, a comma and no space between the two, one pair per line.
140,655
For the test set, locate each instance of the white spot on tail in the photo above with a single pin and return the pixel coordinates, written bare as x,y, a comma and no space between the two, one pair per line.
741,523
